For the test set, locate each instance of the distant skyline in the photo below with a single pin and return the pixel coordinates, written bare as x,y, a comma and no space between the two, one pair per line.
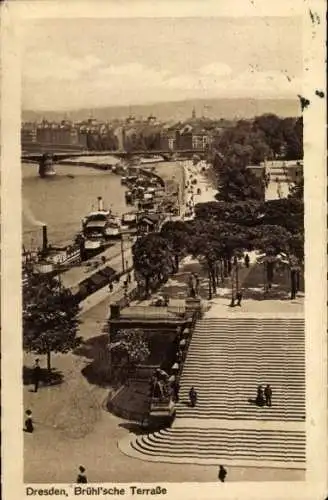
68,64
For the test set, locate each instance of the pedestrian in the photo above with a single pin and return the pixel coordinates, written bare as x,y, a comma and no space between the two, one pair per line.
110,286
246,260
81,477
129,278
29,427
36,375
193,397
260,396
222,473
268,395
239,297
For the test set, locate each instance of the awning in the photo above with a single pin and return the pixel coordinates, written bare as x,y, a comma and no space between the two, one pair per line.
97,279
108,272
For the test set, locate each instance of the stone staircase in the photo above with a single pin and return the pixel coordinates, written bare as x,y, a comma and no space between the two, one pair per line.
212,446
227,359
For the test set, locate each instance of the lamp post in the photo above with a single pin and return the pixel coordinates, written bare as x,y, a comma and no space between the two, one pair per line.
122,253
209,282
234,276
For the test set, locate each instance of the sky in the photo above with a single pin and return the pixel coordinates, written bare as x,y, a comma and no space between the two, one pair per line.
77,63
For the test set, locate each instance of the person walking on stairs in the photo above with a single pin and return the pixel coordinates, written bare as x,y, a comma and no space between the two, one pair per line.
260,396
222,473
268,395
193,397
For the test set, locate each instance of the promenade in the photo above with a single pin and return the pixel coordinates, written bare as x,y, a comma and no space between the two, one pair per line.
71,417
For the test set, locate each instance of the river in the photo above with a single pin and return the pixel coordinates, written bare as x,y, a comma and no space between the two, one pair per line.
63,200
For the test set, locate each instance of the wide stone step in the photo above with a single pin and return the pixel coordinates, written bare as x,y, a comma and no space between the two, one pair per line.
223,444
298,377
249,342
279,417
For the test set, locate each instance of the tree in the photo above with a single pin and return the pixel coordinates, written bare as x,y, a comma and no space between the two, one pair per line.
176,234
270,239
271,126
130,344
285,212
50,317
293,136
241,212
152,259
214,242
129,348
238,184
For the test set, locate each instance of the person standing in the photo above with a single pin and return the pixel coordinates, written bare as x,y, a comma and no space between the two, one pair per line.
81,477
193,397
36,375
222,473
239,297
29,427
247,260
268,395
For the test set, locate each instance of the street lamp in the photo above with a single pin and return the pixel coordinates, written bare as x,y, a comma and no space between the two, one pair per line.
122,253
234,276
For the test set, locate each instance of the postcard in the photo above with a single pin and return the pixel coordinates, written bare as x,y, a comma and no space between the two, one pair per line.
164,254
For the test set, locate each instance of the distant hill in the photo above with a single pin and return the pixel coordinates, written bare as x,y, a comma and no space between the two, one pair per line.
180,110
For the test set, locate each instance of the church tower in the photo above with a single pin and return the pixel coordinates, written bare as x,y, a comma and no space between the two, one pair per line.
193,115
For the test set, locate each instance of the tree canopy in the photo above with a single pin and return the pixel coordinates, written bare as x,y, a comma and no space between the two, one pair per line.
152,258
50,317
131,345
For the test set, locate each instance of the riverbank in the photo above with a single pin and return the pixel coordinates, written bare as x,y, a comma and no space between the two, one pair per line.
89,279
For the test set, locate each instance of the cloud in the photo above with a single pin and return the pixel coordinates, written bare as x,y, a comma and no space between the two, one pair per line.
60,81
134,74
218,80
46,64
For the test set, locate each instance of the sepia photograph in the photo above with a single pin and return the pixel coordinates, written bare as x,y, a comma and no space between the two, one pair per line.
163,276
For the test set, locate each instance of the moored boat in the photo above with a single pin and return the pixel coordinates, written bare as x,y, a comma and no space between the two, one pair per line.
98,226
